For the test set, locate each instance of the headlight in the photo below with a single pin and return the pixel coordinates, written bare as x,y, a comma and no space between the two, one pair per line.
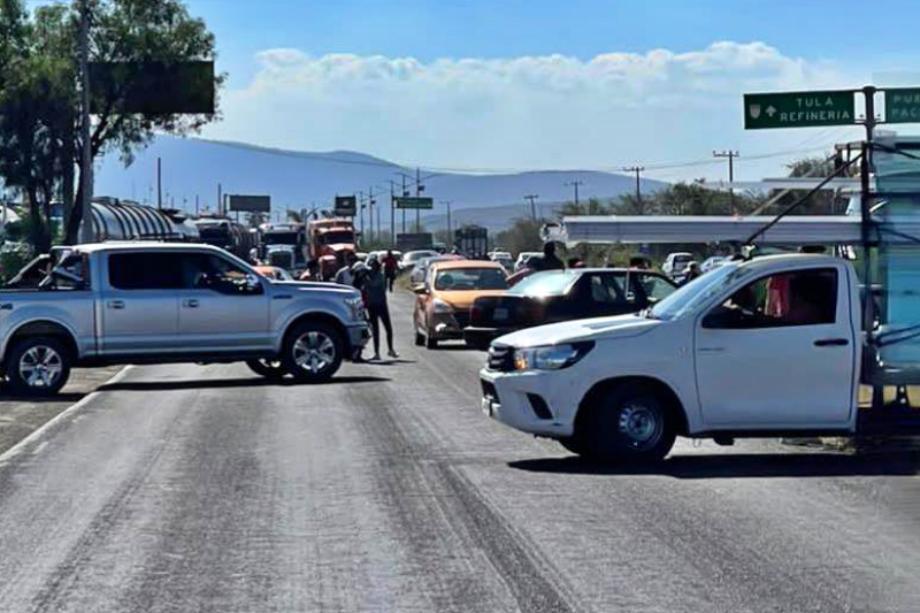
551,357
439,306
356,308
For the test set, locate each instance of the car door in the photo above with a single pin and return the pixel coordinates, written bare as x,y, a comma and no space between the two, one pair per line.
778,353
604,294
139,306
222,306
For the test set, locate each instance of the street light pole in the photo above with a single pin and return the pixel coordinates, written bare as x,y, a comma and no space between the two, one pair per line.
86,171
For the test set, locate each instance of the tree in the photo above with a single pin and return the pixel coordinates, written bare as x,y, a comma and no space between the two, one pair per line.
45,42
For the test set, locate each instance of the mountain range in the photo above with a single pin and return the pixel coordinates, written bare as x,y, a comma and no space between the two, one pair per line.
192,168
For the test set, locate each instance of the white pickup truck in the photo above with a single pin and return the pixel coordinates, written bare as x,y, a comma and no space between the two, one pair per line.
766,347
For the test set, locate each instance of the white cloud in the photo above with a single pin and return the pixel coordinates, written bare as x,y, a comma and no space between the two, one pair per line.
549,111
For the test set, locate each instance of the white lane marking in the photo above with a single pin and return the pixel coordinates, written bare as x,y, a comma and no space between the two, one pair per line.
20,447
39,447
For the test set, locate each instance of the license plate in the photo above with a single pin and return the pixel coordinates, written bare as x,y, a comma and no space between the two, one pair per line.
500,313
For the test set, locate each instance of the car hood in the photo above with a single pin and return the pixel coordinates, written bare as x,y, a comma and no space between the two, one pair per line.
579,330
464,299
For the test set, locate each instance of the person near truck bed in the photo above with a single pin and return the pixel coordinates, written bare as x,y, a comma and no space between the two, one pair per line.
375,296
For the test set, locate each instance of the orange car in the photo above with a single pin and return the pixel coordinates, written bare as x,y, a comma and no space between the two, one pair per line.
442,306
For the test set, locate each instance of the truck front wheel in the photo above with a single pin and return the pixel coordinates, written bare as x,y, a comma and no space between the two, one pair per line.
270,369
312,351
627,423
38,366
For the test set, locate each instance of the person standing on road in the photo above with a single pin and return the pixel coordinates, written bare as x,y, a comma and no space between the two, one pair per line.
549,261
344,274
375,295
389,268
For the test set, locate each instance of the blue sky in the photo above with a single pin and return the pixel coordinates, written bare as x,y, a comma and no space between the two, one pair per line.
522,84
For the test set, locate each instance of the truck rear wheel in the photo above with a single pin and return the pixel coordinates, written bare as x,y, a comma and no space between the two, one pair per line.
38,366
627,423
312,351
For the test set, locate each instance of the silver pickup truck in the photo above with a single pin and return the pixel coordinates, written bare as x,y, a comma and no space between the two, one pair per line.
126,303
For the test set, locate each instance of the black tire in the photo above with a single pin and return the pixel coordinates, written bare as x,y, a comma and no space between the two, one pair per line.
630,423
572,444
270,369
308,356
419,339
38,366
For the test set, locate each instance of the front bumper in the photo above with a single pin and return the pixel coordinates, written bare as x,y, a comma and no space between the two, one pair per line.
358,336
444,326
508,398
480,337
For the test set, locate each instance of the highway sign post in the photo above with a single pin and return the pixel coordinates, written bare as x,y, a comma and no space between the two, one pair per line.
799,109
417,202
902,105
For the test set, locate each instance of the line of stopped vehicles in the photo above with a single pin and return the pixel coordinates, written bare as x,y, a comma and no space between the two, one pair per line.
613,363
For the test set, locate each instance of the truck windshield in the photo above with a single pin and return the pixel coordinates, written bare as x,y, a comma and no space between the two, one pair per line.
337,237
696,293
280,238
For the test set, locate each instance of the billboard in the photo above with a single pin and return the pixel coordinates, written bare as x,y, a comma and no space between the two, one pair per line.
345,206
153,88
250,204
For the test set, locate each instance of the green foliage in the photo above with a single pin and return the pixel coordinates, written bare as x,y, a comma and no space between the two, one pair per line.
39,142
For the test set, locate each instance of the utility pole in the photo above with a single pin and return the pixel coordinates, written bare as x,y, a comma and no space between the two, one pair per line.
637,170
392,213
361,210
86,172
159,183
220,203
370,210
419,188
449,233
575,185
731,155
533,207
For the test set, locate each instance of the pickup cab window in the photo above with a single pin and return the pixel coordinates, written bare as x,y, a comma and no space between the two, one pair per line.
145,270
799,298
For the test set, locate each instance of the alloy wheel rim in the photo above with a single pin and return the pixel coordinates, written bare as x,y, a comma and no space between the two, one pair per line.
40,366
641,426
314,351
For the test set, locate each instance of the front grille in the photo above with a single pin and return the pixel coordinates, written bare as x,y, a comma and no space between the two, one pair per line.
488,390
501,358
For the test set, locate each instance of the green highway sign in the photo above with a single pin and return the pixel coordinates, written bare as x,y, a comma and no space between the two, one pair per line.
902,105
799,109
414,203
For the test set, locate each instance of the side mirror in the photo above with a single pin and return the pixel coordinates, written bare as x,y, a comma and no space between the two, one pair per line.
722,318
253,285
420,289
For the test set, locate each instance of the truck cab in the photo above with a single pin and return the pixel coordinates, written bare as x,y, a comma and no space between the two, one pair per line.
754,348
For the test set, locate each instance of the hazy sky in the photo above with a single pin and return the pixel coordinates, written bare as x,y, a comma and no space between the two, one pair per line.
532,84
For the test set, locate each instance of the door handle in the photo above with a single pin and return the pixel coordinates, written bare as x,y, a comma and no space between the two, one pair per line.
711,349
282,297
832,342
116,304
191,303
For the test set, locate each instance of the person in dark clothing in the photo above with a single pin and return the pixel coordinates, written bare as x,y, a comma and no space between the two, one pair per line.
375,296
389,268
549,261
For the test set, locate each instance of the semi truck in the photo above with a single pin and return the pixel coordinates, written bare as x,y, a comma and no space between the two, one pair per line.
330,241
284,245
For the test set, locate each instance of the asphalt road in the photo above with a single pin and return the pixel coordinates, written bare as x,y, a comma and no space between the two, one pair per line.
187,488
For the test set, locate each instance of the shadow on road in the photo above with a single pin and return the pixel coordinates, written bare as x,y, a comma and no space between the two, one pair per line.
5,396
147,386
727,466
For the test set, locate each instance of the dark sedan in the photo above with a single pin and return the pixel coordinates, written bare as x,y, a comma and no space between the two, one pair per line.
563,295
